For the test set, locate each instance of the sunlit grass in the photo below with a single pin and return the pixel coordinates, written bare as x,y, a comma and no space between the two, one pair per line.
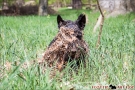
23,38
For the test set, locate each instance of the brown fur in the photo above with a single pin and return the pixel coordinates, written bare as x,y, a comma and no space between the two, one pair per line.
66,46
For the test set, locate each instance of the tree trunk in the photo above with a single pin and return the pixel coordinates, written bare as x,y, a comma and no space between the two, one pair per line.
43,7
89,1
132,3
117,7
128,5
76,4
5,5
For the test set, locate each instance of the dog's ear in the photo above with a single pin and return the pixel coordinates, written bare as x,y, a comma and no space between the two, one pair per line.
59,20
81,21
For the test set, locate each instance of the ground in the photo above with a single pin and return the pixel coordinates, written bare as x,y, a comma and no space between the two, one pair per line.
22,39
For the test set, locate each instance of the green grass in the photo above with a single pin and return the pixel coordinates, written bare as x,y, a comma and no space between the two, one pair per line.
22,38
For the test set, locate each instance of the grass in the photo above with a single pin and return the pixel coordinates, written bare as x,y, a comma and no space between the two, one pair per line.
23,37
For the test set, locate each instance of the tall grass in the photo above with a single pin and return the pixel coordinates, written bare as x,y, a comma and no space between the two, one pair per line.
22,38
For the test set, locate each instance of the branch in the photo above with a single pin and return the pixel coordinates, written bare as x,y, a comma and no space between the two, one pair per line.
100,8
101,25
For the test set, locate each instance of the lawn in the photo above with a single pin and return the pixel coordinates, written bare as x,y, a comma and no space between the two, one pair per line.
23,38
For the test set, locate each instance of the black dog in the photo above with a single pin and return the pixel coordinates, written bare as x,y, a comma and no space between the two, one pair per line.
68,44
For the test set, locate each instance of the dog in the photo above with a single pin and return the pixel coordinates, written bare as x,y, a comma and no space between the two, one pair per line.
68,44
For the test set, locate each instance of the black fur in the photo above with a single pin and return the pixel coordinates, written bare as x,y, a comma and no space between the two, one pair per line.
77,25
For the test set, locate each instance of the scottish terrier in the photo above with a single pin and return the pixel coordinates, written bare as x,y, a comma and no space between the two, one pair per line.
68,44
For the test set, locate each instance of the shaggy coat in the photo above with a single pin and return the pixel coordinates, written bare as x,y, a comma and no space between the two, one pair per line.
68,44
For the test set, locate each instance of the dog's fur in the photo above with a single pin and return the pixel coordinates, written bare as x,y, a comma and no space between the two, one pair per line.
68,44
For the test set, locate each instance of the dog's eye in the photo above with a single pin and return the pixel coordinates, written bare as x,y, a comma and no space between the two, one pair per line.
78,34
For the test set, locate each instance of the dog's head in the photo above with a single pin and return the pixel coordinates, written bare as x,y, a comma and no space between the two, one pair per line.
77,25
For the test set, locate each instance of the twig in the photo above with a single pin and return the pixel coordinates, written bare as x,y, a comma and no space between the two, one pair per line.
100,9
101,25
